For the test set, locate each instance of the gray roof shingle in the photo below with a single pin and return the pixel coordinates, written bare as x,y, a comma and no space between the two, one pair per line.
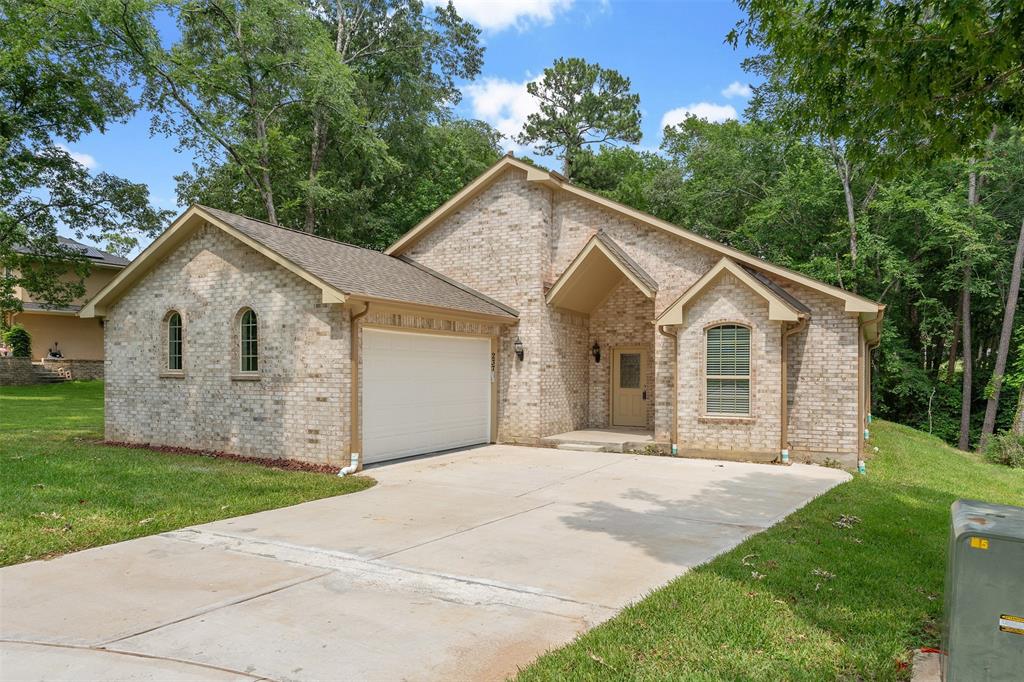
789,298
358,271
90,252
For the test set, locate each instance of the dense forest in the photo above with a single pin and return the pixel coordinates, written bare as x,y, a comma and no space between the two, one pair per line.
871,164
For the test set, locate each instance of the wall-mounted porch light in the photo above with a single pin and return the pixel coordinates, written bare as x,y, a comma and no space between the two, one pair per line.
595,350
517,346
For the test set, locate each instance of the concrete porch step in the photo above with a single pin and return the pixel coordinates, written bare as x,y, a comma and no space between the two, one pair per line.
584,447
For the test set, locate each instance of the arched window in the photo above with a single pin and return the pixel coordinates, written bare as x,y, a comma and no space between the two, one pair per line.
175,340
727,370
249,336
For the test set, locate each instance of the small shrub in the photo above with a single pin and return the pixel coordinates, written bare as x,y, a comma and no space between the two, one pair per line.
1006,448
651,450
20,341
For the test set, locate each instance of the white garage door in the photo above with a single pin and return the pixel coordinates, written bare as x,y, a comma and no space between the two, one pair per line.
423,393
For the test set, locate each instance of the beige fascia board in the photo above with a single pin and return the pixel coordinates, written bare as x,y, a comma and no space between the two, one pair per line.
567,274
391,305
179,230
778,309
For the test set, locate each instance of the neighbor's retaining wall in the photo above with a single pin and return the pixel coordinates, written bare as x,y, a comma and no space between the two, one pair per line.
16,372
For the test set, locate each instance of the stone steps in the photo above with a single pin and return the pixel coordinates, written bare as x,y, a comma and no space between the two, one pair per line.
49,376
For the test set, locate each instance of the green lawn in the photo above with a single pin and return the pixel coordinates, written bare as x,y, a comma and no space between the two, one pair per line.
61,491
808,599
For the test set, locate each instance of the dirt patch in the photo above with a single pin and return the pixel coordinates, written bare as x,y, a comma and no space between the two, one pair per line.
270,463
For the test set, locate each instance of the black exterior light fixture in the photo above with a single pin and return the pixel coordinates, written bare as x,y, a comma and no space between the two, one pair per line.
595,350
517,346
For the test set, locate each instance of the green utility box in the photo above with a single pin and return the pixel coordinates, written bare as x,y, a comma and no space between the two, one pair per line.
983,636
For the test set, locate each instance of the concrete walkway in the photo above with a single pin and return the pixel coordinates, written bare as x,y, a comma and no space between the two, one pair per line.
461,566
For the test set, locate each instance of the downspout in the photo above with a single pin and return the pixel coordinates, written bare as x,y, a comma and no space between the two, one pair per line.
784,421
861,392
355,435
675,386
870,346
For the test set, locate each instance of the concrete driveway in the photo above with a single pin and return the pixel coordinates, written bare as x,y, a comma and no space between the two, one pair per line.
459,566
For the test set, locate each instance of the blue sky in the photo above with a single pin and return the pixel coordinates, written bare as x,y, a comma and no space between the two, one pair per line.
673,51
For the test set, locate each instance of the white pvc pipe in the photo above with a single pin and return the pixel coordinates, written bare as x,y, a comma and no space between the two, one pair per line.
351,468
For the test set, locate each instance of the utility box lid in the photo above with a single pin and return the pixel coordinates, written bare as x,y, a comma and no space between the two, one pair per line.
972,517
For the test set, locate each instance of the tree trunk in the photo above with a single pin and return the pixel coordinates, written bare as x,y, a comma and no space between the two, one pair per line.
965,297
954,347
1018,419
843,169
319,144
1004,341
316,155
965,396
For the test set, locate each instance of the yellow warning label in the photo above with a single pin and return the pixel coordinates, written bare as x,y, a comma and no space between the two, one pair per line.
1014,624
979,543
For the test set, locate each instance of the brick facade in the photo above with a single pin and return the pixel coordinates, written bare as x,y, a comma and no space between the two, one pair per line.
514,239
510,242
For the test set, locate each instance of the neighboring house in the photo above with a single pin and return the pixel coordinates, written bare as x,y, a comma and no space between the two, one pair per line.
60,328
522,308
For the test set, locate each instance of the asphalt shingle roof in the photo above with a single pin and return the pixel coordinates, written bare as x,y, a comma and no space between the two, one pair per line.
789,298
358,271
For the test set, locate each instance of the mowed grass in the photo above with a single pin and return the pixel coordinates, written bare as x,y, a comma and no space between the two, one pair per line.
808,599
61,491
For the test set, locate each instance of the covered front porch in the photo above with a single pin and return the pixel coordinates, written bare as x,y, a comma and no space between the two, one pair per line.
611,348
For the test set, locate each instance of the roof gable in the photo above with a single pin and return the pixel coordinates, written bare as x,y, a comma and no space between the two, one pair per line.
341,271
853,303
783,309
594,272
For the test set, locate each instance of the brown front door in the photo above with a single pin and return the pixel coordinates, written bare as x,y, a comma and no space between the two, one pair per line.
629,389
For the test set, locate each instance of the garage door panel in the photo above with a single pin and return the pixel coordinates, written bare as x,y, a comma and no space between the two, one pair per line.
423,393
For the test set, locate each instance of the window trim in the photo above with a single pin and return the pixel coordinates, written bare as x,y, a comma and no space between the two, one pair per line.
738,417
165,336
239,372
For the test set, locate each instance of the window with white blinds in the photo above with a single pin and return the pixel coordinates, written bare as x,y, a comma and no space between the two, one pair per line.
727,370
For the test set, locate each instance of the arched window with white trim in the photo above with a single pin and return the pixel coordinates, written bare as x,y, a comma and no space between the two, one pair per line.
727,370
248,336
175,338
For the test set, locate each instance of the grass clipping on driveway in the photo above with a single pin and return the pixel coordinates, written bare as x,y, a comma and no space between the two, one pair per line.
61,491
845,588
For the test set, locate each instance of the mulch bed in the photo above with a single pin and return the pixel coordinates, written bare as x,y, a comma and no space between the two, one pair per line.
270,463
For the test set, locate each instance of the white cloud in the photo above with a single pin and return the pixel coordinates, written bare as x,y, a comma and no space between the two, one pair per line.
716,113
87,160
504,104
497,15
737,89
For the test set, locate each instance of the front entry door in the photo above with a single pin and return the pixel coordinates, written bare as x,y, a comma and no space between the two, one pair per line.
629,387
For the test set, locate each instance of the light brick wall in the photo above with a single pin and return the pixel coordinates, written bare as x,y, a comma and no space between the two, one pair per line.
623,319
727,300
300,407
497,244
514,239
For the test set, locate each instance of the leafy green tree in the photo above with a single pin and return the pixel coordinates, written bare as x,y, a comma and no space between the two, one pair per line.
925,77
581,104
61,76
622,174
